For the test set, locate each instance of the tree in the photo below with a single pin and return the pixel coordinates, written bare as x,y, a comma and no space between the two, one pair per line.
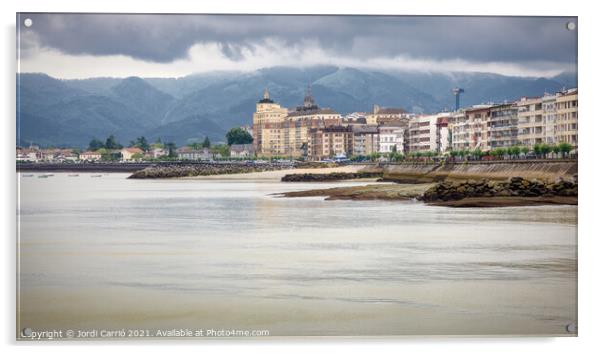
477,153
524,150
565,148
537,149
514,151
95,144
140,143
206,142
238,136
555,149
374,156
112,143
545,150
195,146
171,149
222,149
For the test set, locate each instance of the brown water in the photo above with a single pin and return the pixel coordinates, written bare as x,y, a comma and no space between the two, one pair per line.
111,253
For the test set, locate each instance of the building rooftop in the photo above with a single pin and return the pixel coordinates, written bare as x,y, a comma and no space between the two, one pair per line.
309,112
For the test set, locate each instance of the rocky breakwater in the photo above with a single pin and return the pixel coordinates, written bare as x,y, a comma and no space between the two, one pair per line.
329,177
517,191
205,169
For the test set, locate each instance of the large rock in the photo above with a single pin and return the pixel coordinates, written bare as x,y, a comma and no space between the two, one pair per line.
514,187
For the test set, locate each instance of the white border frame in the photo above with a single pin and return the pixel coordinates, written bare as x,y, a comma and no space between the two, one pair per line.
589,126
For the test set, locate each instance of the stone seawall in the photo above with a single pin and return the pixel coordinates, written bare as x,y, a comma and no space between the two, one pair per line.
203,169
428,173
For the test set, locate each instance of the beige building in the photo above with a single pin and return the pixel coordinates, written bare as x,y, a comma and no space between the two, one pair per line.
381,115
420,135
531,122
548,105
458,126
131,154
279,132
330,142
566,117
476,127
267,120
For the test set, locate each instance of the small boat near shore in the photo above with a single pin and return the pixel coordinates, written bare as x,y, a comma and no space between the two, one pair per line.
73,175
96,176
27,175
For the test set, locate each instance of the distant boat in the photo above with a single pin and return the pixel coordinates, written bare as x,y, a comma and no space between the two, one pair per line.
74,175
43,176
96,176
27,175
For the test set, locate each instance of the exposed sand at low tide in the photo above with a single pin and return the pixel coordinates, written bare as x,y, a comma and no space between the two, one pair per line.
278,174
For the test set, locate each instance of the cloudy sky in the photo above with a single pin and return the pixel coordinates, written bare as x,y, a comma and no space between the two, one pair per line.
92,45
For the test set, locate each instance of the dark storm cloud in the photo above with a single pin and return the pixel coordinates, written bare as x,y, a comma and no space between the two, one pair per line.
164,38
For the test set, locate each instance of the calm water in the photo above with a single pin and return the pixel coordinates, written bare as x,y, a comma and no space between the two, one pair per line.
113,253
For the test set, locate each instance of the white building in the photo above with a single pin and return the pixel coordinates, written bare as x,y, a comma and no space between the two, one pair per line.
241,150
390,138
188,153
430,133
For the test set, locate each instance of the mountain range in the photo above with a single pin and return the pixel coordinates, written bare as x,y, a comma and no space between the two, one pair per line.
58,112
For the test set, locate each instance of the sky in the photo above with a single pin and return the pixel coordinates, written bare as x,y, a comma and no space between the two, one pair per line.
121,45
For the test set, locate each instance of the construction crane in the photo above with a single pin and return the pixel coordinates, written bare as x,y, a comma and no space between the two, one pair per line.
457,91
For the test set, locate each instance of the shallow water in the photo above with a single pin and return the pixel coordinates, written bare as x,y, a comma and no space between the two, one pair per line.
110,252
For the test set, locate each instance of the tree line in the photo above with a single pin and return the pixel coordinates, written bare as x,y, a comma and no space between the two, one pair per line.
110,144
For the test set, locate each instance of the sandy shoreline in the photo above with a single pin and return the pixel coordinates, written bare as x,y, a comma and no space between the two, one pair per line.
276,174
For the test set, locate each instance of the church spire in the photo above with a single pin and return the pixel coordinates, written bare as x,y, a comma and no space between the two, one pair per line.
308,101
266,97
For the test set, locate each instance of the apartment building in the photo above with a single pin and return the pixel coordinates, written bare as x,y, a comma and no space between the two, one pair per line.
476,127
429,133
365,139
531,122
501,127
458,126
565,130
548,110
391,138
443,134
329,142
421,132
